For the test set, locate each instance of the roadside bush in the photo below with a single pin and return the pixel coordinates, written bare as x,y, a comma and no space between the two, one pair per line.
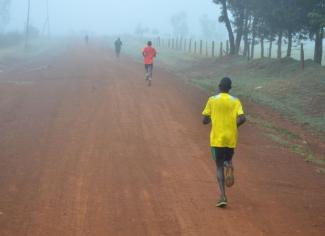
10,39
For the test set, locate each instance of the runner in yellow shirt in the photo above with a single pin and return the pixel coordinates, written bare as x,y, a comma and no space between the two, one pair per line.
226,114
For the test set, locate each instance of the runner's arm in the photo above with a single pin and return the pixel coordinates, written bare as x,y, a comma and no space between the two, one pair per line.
241,120
206,120
207,113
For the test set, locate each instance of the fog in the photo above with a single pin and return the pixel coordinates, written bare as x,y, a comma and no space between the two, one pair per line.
112,16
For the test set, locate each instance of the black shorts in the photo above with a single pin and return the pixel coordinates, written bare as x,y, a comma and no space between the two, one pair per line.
222,154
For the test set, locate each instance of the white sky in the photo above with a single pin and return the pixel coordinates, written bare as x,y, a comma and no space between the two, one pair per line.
111,16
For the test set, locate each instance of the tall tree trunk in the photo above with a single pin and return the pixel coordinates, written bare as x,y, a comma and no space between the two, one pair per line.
280,36
248,51
316,50
270,48
253,37
318,55
262,46
321,46
240,30
247,23
228,26
289,44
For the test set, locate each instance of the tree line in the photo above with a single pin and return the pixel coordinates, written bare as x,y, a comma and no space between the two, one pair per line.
4,13
273,21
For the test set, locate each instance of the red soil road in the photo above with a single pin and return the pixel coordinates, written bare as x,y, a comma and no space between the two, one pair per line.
88,149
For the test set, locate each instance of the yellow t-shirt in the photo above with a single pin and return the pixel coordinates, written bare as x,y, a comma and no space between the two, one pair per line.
223,110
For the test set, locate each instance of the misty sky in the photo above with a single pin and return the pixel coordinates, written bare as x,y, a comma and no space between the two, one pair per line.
111,16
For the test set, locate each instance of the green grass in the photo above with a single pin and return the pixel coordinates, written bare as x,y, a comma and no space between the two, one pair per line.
286,139
297,94
281,85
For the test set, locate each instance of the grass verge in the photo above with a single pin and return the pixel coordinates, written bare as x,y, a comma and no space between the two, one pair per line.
281,85
35,48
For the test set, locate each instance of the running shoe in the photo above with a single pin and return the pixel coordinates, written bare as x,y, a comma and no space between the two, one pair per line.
222,203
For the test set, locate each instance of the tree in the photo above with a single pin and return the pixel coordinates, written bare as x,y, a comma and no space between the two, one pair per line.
316,28
284,20
208,27
225,19
179,24
140,30
4,13
33,31
239,11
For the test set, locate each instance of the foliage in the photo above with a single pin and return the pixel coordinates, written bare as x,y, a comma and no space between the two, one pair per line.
140,30
208,27
4,13
10,39
290,19
179,24
33,31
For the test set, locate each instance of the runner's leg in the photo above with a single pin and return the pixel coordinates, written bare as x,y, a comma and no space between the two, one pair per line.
229,175
150,71
150,67
146,67
219,158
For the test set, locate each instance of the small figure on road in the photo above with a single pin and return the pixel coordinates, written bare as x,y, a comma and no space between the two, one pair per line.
149,53
118,46
86,39
226,114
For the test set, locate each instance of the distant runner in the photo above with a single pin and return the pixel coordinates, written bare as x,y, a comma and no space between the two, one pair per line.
149,53
118,45
226,114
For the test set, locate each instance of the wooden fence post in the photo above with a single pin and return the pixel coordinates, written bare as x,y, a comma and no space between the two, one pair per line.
248,51
227,48
195,47
262,46
206,48
302,56
221,49
212,50
201,47
190,46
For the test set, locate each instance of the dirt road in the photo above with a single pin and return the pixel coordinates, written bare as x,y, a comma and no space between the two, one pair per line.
88,149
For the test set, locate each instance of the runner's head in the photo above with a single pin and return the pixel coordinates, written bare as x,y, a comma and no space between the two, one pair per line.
225,85
149,43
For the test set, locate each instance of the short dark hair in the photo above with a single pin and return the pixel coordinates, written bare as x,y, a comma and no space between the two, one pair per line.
225,84
149,43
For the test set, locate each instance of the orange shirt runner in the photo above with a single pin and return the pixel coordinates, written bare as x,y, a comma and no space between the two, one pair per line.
149,54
